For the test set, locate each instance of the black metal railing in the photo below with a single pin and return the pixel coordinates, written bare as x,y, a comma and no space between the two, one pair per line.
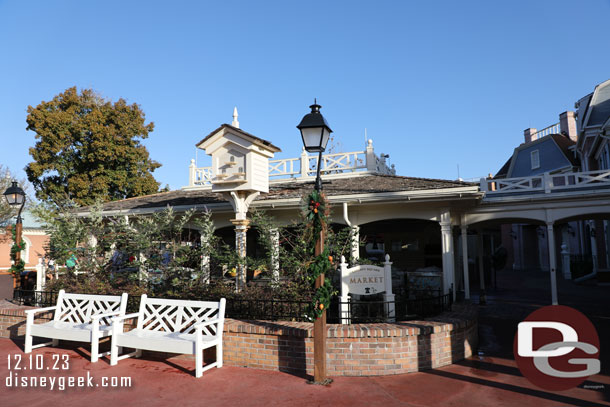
35,298
360,311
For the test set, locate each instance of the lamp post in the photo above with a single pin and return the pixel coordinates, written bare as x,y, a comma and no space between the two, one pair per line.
16,198
315,133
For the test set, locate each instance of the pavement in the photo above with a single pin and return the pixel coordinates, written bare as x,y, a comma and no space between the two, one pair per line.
491,379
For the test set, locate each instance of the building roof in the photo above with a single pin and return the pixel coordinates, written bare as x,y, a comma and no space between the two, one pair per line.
291,189
255,140
563,142
599,105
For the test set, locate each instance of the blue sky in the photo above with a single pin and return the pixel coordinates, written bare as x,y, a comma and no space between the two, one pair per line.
436,83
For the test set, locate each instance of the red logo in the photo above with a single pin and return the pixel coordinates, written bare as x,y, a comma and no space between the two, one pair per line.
557,348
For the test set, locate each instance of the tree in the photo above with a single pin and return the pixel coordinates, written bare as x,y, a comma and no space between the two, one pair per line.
89,148
6,212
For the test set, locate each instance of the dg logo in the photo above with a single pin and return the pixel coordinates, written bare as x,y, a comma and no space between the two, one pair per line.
557,348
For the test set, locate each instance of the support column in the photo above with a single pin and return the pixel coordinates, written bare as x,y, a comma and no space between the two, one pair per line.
465,261
565,252
552,262
205,260
241,201
447,247
241,229
593,246
275,255
355,242
480,248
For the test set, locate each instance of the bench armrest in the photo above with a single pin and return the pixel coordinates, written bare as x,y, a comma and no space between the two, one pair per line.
123,317
206,323
37,310
109,314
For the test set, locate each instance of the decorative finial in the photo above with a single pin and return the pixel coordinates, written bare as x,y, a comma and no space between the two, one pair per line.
235,122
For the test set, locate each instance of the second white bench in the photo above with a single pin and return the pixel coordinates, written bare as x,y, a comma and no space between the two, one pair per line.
173,326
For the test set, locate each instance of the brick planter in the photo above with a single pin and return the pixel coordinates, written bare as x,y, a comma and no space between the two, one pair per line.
353,350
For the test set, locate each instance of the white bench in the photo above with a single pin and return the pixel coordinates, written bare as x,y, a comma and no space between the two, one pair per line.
173,326
78,317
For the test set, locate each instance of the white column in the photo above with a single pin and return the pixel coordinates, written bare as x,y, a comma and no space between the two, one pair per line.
480,248
241,228
355,237
275,255
465,261
593,246
205,260
447,247
552,262
565,253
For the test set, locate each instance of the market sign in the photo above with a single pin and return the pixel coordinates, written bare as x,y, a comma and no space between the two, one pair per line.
365,280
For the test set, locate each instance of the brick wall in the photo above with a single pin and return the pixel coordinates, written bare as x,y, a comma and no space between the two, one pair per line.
352,350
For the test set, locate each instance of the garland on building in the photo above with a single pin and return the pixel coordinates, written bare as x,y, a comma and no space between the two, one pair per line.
316,211
18,266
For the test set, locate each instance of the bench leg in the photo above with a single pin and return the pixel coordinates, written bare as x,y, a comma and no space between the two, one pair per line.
55,342
95,350
138,353
28,341
114,352
219,354
198,362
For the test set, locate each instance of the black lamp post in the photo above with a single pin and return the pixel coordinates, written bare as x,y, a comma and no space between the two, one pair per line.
315,133
16,198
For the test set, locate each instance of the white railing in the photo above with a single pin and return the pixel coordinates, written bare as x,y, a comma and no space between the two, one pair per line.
306,166
552,129
546,183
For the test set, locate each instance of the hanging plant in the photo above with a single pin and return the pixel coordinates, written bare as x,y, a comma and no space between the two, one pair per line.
18,266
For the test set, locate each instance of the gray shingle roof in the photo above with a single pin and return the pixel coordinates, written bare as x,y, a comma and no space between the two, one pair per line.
290,189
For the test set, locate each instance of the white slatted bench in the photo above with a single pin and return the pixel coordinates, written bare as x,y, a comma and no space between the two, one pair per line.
173,326
78,317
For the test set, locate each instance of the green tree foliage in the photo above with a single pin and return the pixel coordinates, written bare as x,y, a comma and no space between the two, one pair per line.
6,212
89,148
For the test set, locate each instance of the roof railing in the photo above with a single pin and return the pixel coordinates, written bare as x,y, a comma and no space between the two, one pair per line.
305,166
552,129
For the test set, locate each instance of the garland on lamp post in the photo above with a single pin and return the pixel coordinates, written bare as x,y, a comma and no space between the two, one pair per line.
18,265
316,211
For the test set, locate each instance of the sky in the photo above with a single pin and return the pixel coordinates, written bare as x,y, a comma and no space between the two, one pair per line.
437,84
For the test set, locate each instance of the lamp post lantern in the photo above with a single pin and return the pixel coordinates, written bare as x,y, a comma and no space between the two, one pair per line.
15,197
315,133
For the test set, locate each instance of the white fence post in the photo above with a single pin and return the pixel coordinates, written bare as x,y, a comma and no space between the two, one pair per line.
344,311
40,274
371,162
388,297
304,163
483,185
192,173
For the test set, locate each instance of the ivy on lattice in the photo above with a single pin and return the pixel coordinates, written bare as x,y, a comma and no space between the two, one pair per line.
18,266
